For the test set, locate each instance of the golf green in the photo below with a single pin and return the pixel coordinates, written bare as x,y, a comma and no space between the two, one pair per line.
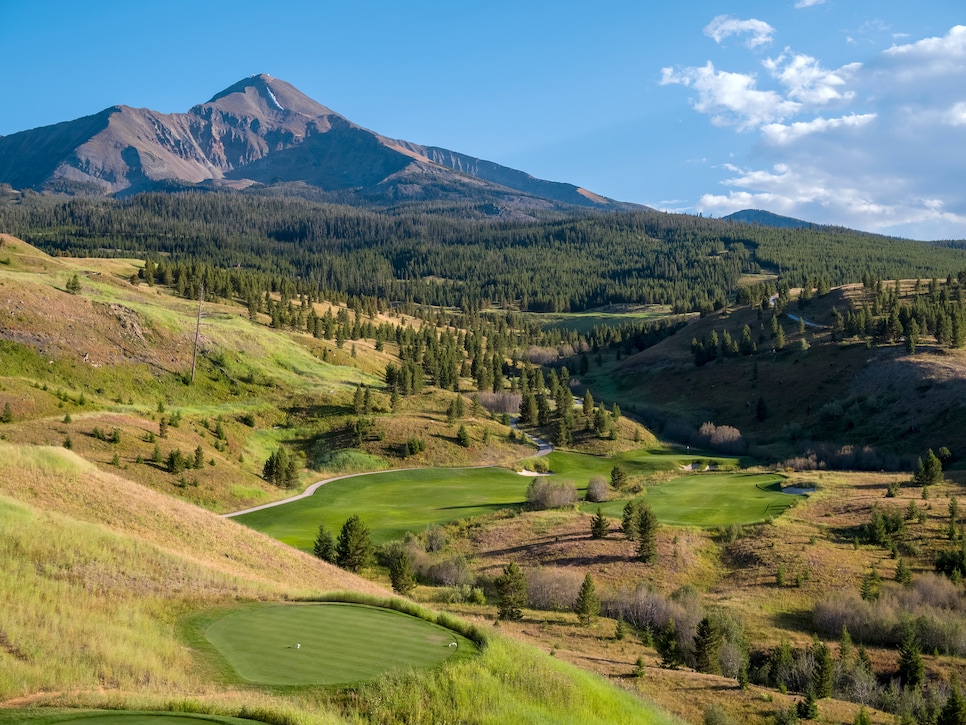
713,499
329,643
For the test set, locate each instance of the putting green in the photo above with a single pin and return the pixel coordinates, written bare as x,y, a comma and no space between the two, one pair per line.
715,499
328,644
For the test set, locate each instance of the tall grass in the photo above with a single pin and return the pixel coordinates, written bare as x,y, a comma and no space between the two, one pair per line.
510,682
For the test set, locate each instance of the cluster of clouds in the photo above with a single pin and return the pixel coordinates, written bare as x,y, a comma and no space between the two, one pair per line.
877,145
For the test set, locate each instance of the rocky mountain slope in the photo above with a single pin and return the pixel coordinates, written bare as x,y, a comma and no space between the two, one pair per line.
260,130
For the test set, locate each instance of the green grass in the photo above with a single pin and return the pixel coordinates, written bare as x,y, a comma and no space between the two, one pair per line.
613,315
101,717
392,503
340,643
713,499
395,502
580,468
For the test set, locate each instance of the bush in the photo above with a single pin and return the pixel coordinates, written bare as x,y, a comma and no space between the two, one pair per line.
553,589
597,489
436,538
414,446
546,493
723,438
714,714
450,572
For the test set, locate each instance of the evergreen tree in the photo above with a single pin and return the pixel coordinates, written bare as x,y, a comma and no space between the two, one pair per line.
903,573
912,671
929,470
761,410
562,436
618,477
620,629
587,605
463,436
823,675
199,460
707,646
807,709
324,546
529,413
862,717
667,645
845,647
353,550
73,284
7,415
629,520
646,533
511,587
401,570
954,711
599,527
871,584
358,400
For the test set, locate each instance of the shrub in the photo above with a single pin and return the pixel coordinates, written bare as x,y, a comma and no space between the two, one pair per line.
450,572
414,446
597,489
723,438
552,588
546,493
436,538
714,714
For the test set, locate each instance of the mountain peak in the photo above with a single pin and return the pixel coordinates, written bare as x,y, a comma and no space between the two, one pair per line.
267,94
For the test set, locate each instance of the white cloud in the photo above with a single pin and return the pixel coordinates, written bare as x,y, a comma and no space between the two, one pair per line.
956,116
732,99
808,3
807,81
724,26
780,134
889,158
928,59
953,44
808,193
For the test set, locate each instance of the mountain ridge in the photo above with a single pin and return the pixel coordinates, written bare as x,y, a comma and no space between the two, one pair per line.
260,130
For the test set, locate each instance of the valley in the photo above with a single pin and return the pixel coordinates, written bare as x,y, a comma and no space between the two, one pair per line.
109,437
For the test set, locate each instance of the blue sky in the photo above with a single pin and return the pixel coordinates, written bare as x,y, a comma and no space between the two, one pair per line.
835,111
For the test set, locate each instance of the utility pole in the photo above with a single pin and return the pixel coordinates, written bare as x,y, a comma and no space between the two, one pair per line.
194,357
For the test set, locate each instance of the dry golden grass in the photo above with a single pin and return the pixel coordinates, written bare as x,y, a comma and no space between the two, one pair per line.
53,479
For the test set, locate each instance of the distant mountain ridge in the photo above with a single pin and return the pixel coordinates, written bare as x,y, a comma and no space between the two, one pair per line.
260,130
769,219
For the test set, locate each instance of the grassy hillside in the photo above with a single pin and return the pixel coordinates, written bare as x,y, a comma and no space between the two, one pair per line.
117,356
102,575
824,389
110,562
